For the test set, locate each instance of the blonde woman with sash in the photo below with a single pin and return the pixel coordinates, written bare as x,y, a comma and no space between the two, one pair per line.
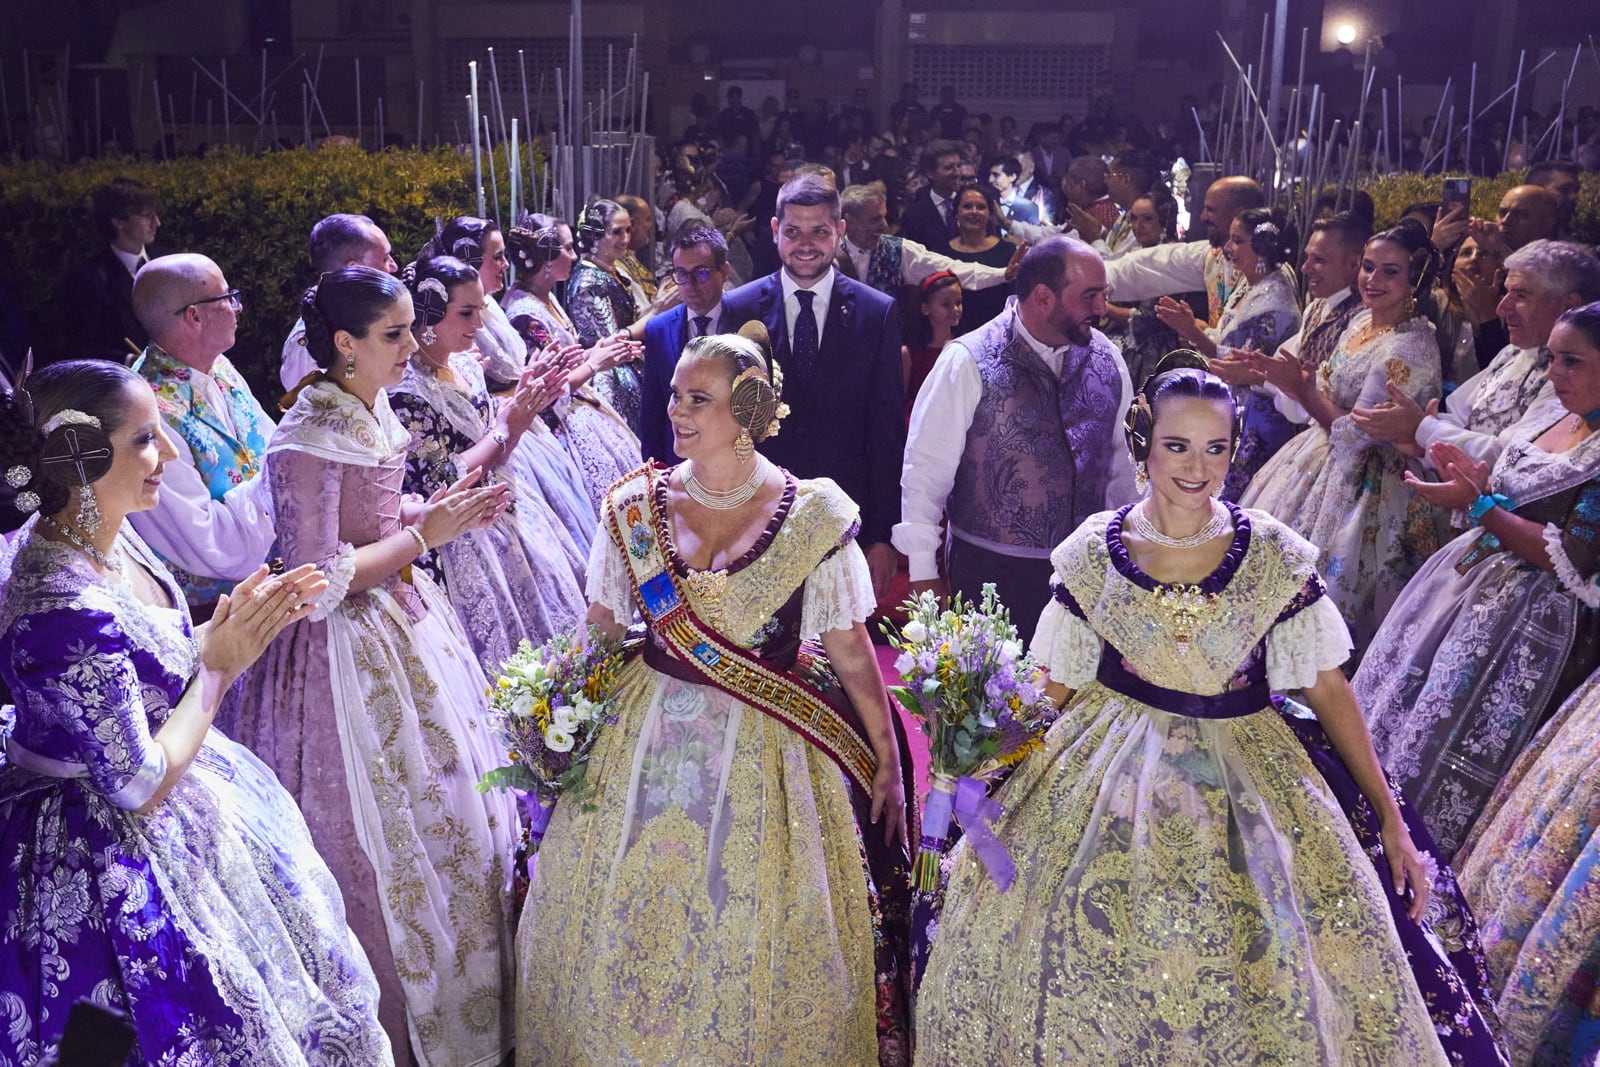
706,903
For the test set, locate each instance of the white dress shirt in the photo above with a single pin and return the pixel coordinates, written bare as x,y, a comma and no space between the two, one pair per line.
1146,273
1502,376
819,304
715,315
937,440
132,260
227,538
297,361
917,264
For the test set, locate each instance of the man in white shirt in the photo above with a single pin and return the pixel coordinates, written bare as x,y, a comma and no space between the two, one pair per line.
1016,437
337,241
1543,279
870,254
213,526
97,298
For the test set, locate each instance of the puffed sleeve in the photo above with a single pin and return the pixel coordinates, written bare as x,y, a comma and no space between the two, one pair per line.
1574,550
1309,637
838,594
1065,643
305,497
608,584
73,672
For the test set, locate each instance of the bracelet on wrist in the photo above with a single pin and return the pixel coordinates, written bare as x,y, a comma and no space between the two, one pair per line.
1486,503
416,534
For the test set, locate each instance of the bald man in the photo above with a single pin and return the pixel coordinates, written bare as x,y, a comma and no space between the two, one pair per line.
1527,213
213,525
1168,269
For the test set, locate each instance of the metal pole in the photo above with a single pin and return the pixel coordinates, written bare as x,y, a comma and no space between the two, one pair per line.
477,147
1280,23
1511,122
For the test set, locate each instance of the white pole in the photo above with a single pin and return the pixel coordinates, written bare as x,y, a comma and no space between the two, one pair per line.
477,146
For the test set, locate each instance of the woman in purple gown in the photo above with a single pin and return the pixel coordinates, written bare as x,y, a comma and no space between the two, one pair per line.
371,709
148,863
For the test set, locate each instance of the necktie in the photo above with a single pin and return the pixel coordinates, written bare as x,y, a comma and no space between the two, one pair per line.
702,325
948,210
805,335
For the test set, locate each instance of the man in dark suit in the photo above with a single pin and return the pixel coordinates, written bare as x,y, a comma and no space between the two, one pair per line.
97,300
930,218
837,342
700,267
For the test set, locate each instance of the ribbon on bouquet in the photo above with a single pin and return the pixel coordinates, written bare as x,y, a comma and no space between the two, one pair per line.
537,809
967,801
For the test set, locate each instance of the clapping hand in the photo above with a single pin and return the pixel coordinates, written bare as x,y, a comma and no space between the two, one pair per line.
1238,366
1284,372
259,608
1395,421
1462,479
455,509
1179,317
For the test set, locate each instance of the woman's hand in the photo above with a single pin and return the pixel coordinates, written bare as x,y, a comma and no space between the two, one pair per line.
1237,367
1479,298
889,802
258,610
610,352
1462,480
1406,866
1283,373
456,509
1178,317
667,296
1016,260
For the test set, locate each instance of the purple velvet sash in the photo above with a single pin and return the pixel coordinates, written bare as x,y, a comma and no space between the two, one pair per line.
1114,675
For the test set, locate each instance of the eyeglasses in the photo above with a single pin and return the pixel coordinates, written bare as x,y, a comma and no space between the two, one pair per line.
700,275
231,296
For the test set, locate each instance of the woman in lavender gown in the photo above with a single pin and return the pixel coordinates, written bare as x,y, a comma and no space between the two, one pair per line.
521,577
597,437
371,709
148,863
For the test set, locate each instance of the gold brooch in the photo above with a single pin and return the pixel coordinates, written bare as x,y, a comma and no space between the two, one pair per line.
1180,609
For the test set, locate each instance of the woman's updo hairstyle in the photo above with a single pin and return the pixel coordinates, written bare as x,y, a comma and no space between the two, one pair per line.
1182,373
535,244
431,283
55,422
1166,206
1273,237
757,399
594,223
349,299
462,237
1585,319
1423,267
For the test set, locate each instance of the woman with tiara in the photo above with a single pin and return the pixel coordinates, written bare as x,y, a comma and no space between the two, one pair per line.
371,709
147,863
601,304
597,437
521,578
1201,877
706,902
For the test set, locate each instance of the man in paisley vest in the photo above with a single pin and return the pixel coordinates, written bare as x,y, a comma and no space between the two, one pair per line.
1164,270
213,526
1016,437
870,254
1543,279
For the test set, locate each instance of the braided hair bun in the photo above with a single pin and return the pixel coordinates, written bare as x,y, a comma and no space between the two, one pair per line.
318,336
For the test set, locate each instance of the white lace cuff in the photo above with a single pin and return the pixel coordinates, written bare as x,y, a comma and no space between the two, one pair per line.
608,584
340,570
838,594
1305,644
1067,646
1583,588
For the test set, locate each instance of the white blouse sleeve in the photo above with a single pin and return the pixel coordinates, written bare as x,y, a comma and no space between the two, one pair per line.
1308,642
340,573
1067,646
838,594
608,584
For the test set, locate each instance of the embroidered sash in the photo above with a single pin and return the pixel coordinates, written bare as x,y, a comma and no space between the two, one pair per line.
711,657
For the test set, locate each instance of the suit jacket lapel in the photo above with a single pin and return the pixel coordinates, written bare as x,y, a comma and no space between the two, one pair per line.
681,341
772,315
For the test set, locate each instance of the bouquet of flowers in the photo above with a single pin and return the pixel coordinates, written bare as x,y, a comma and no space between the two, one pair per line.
981,702
548,706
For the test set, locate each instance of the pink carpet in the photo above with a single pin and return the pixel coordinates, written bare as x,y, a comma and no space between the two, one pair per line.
914,734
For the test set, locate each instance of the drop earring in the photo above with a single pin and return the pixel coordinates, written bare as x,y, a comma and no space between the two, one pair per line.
349,366
1141,477
743,447
429,337
88,510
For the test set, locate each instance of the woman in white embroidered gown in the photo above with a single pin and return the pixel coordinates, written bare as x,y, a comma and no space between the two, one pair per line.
1335,486
371,710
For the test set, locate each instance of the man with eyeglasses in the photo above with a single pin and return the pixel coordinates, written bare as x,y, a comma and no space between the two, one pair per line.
213,525
97,299
700,267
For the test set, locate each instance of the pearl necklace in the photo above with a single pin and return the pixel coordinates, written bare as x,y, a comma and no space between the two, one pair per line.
1220,517
112,563
724,499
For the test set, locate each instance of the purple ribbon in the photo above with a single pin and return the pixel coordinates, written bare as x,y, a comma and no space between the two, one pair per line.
972,808
538,810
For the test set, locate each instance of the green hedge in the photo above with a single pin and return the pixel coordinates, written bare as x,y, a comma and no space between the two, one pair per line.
252,214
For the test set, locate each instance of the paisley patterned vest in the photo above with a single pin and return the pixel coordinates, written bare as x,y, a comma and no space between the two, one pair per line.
1034,466
223,460
883,269
1324,328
